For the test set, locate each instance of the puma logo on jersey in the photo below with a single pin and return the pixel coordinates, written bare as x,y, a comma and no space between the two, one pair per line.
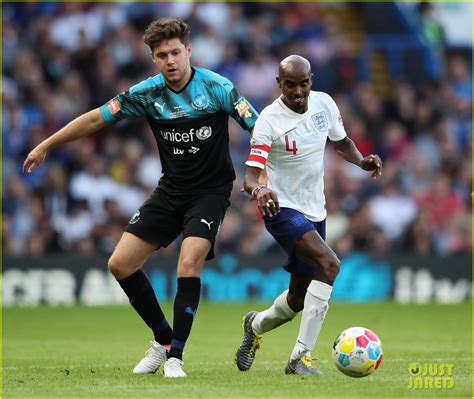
208,223
159,106
190,311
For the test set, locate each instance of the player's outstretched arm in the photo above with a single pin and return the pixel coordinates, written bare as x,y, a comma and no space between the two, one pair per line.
266,199
83,125
347,150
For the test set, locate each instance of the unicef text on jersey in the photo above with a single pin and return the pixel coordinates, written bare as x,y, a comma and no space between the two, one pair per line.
202,133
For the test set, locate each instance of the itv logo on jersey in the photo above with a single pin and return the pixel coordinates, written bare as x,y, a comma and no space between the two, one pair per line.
201,133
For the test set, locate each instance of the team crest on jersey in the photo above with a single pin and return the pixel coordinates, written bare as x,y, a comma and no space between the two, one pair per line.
204,132
200,102
320,121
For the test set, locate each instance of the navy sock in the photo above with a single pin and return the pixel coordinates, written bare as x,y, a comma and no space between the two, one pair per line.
185,307
143,299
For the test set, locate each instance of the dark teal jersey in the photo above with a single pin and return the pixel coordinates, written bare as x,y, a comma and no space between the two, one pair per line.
190,127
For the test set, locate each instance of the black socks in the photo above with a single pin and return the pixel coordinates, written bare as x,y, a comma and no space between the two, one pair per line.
185,307
143,299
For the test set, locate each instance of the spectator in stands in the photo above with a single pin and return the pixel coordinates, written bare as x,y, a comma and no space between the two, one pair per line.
431,29
392,210
419,237
441,202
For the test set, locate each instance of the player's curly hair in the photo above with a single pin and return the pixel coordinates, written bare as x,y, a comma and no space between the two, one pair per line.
165,29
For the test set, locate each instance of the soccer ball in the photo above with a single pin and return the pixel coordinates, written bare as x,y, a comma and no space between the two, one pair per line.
357,352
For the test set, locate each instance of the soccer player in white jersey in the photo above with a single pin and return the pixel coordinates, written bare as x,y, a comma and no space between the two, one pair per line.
289,139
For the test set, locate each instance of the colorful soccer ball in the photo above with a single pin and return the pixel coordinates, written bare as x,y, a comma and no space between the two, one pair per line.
357,352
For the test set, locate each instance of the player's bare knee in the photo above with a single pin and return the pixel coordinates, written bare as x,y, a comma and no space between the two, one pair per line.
188,267
332,269
296,301
116,267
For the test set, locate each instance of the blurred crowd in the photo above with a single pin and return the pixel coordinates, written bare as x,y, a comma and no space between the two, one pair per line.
63,59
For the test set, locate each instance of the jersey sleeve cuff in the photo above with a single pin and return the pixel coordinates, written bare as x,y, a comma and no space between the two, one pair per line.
105,112
255,164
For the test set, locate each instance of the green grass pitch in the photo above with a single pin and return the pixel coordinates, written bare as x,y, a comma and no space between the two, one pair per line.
90,352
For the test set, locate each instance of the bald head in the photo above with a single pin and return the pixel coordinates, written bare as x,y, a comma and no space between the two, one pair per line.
294,65
295,80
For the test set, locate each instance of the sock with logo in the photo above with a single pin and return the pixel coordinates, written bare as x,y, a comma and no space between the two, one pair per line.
276,315
314,311
185,307
143,299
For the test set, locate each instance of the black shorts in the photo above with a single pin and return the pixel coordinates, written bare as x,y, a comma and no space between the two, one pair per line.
164,216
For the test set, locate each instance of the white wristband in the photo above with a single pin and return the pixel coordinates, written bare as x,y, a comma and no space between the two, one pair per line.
256,190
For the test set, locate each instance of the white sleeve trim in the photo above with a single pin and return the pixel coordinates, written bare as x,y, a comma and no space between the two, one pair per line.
255,164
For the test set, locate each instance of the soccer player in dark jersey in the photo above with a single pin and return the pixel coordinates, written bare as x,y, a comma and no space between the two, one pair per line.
187,109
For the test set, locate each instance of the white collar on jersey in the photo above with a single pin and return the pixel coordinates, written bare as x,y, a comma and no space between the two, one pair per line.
289,110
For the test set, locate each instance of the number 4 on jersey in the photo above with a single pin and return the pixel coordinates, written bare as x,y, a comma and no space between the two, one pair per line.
293,148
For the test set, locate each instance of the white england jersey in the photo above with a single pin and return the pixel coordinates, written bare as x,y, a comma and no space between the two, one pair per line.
291,145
